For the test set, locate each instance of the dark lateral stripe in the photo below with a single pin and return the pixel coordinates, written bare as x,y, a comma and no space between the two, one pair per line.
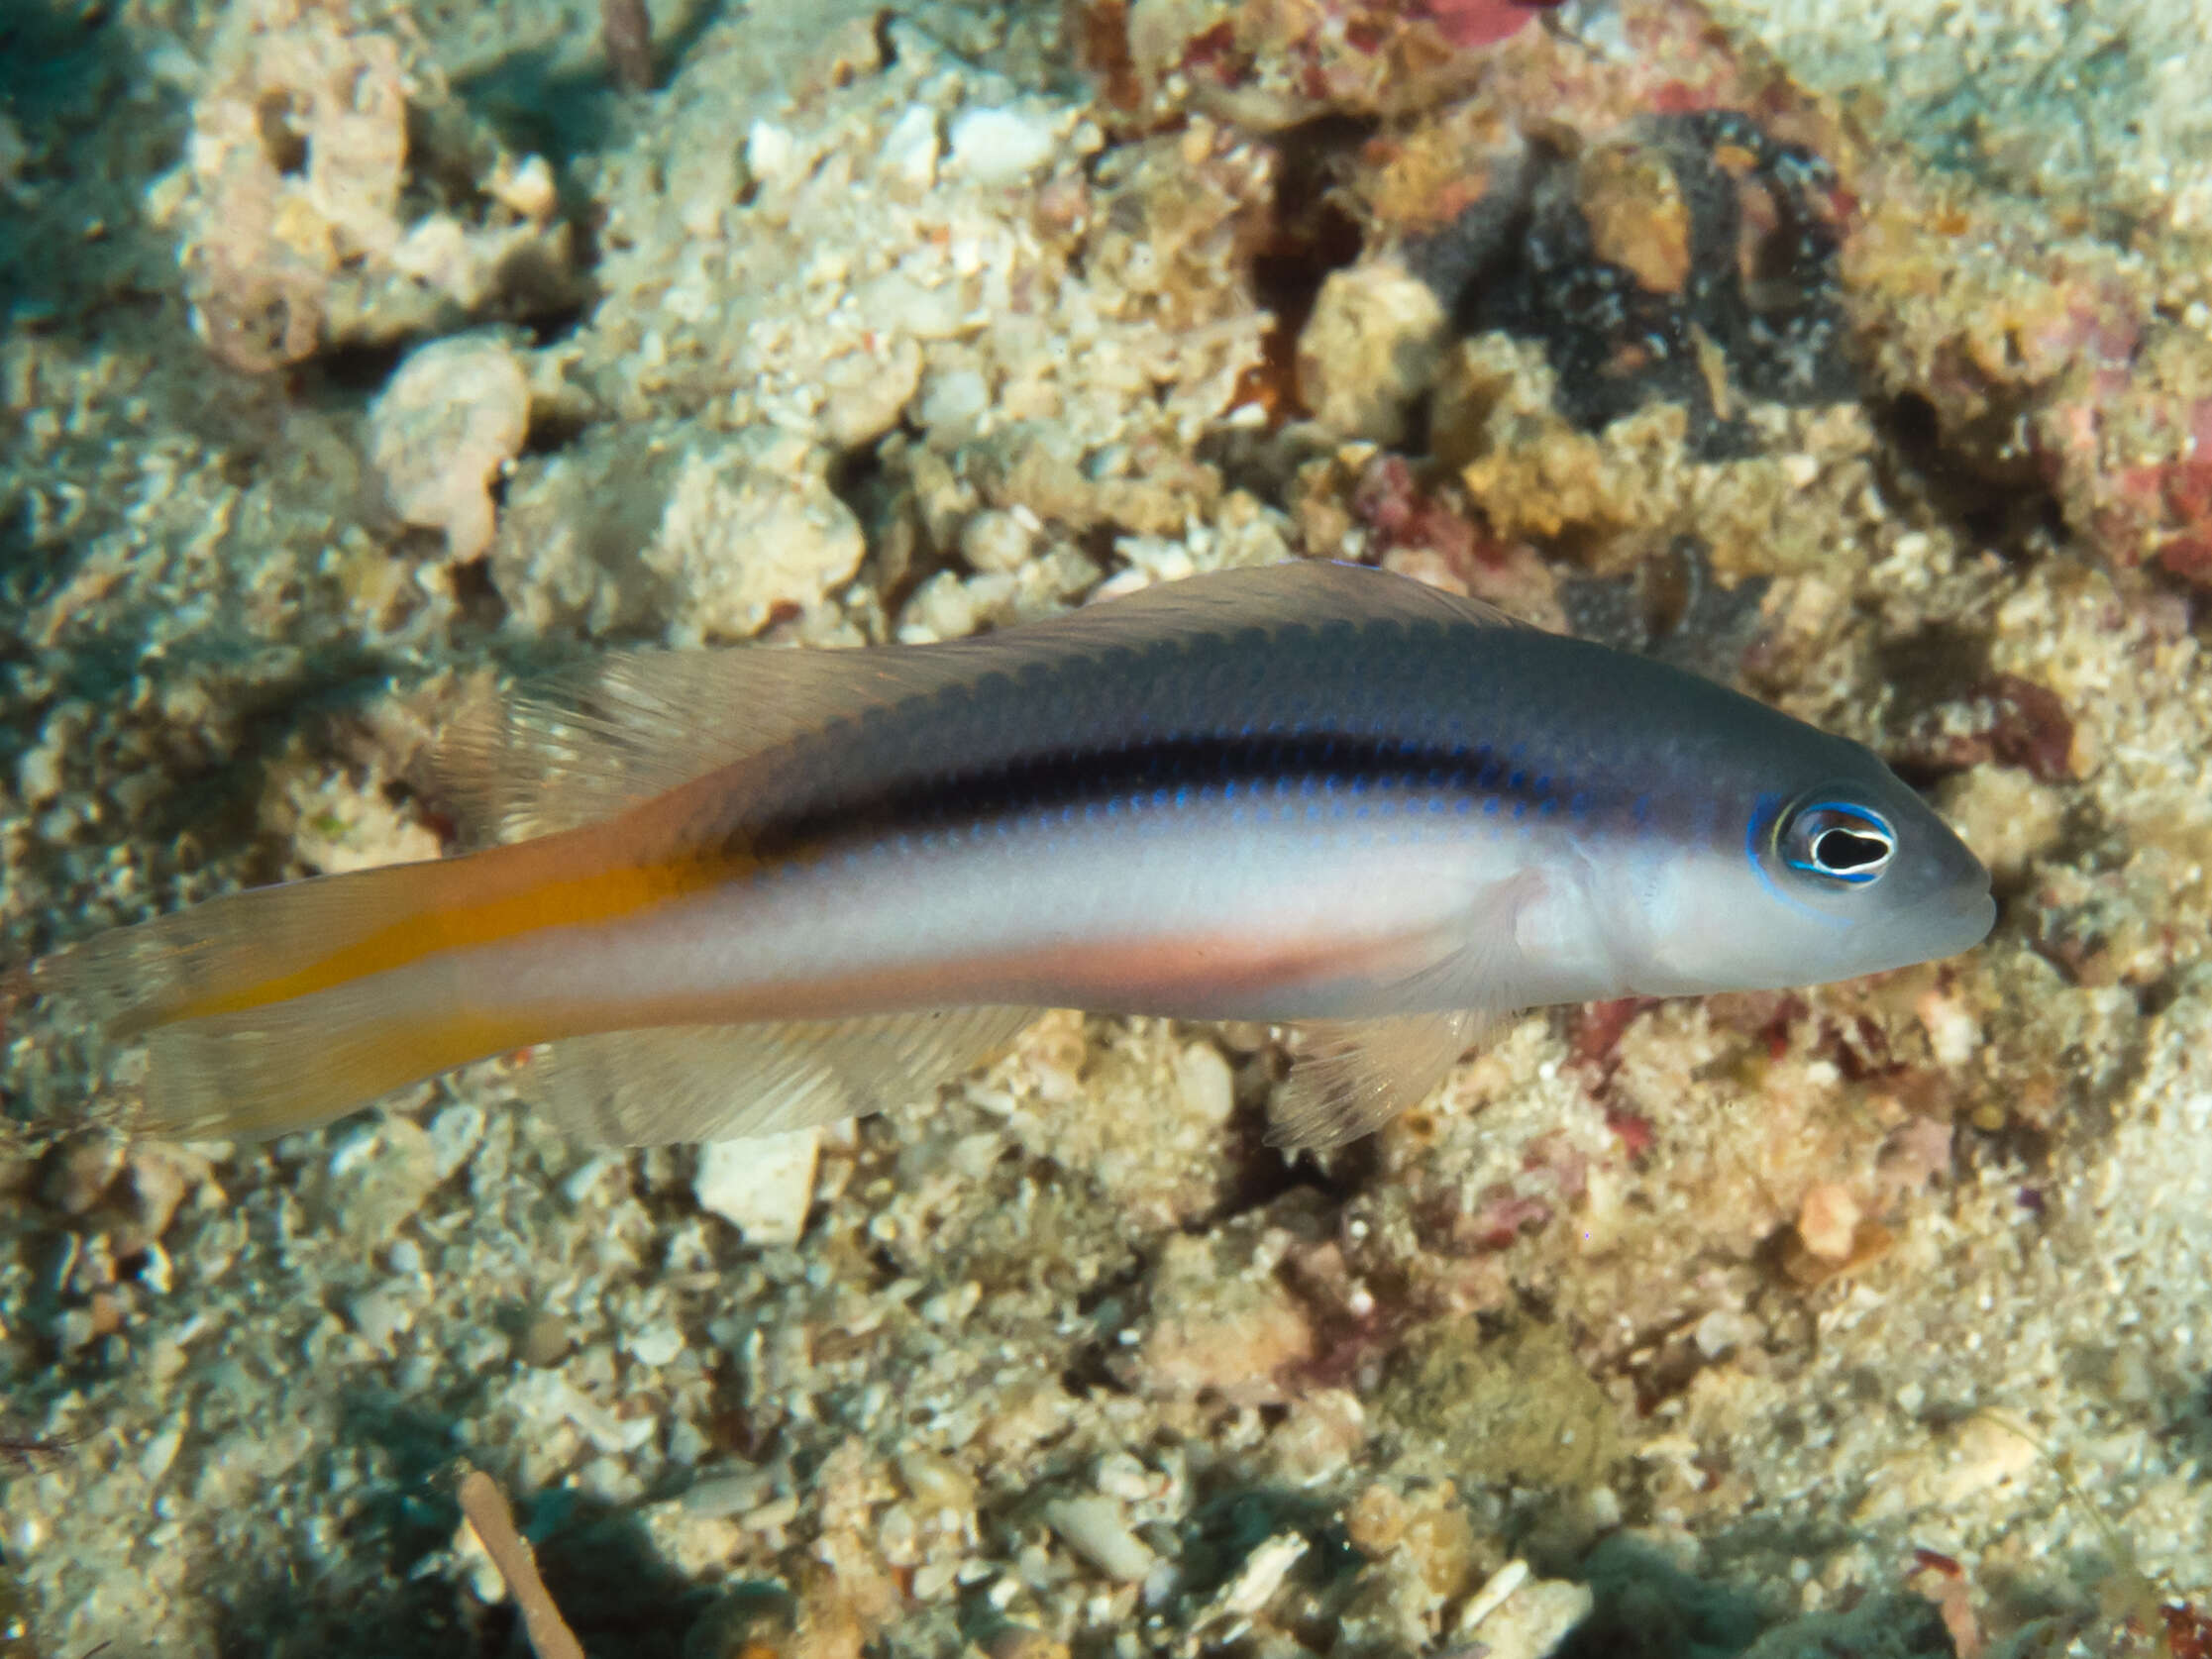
1213,764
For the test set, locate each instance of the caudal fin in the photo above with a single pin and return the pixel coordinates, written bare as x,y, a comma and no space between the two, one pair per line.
280,1009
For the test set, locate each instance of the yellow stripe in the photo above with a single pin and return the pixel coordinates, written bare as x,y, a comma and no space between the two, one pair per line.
407,1051
573,901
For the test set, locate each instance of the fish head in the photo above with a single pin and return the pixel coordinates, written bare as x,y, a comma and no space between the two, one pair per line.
1808,880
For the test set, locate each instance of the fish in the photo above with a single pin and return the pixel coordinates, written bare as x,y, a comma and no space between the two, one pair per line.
741,891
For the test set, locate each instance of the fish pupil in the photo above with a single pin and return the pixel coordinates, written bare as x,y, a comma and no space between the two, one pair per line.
1848,850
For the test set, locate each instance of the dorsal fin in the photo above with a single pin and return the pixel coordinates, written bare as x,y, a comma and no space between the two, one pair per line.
584,746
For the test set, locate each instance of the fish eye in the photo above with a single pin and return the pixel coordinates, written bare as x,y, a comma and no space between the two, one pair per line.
1838,841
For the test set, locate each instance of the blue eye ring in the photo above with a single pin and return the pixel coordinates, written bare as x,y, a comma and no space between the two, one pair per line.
1836,841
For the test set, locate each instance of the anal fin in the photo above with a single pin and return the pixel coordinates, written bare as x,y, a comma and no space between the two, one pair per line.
663,1085
1355,1076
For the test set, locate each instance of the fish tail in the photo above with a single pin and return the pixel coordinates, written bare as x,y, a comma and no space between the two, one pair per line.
283,1008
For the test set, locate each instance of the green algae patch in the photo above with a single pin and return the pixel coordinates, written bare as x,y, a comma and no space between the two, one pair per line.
1512,1406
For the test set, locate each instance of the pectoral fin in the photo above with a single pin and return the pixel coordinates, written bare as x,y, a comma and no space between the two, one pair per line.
1355,1076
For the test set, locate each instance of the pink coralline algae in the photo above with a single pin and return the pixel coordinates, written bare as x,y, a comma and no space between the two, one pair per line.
1398,513
2005,718
2184,488
1478,23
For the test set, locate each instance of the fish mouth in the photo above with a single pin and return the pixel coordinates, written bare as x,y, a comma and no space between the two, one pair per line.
1944,924
1959,909
1965,921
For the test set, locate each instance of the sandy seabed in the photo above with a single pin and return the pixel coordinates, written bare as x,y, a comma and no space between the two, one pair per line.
358,358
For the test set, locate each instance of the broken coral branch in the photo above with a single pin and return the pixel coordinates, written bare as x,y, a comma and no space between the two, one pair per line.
487,1514
627,33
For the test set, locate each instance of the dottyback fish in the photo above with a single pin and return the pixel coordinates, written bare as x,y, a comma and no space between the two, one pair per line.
754,889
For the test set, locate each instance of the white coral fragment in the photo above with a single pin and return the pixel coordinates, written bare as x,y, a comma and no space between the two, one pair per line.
910,149
752,531
454,415
761,1187
1092,1525
1001,146
1370,351
294,210
297,154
